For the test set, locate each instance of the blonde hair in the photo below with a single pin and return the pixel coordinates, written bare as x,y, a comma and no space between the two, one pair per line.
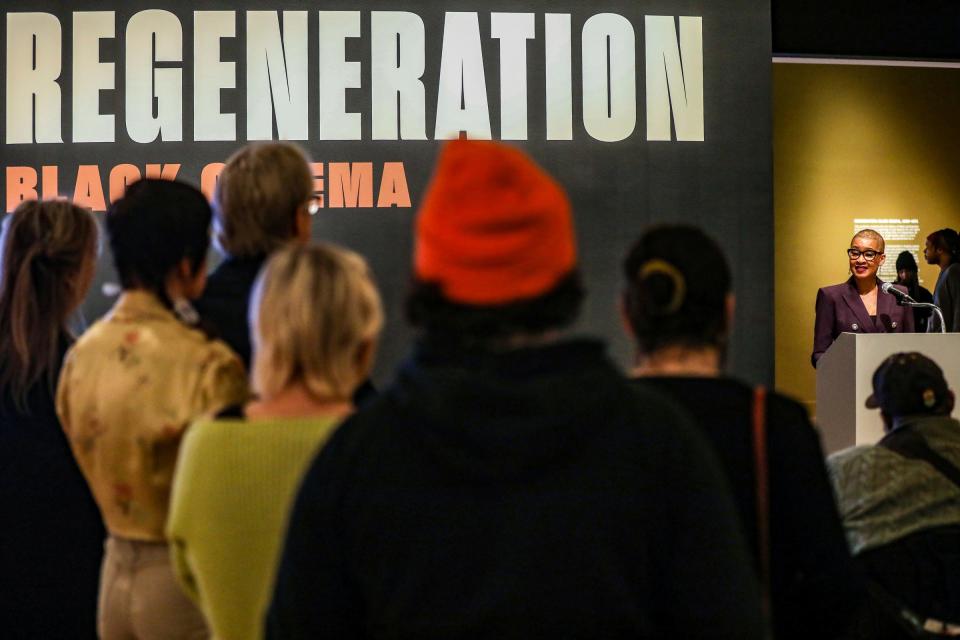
257,196
45,248
873,235
312,309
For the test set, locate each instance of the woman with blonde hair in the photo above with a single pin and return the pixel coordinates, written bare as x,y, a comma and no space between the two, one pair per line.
51,542
131,386
315,317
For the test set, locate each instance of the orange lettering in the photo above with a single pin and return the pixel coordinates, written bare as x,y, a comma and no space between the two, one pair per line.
393,186
351,184
163,171
120,178
209,177
21,185
89,189
48,178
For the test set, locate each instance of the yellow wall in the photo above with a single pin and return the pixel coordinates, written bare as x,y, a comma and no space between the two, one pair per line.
852,142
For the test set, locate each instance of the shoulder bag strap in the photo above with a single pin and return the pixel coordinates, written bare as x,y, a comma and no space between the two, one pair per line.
762,474
910,444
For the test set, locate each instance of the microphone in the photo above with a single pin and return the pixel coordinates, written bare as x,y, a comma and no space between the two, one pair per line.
896,293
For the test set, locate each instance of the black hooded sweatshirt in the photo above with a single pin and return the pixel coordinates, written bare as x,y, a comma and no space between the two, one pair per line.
527,494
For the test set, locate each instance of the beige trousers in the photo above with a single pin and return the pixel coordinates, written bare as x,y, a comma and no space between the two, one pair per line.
140,598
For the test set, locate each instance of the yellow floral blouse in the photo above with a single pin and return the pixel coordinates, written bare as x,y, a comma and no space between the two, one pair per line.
129,388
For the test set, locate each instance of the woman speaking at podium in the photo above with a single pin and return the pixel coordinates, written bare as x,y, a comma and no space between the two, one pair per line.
858,305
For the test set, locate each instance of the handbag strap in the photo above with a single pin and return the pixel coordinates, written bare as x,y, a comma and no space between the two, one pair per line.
910,444
761,469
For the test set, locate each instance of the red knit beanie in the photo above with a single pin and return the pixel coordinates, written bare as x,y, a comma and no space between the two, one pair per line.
494,228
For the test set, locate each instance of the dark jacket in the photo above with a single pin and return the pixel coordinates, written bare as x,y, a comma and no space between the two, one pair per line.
921,317
814,582
840,310
225,304
946,295
51,539
530,494
226,300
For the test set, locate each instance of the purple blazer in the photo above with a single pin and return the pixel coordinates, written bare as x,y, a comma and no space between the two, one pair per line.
839,310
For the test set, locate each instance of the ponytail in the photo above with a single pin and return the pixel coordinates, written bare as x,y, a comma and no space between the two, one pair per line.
45,247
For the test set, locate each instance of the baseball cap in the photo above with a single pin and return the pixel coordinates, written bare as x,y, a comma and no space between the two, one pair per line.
908,383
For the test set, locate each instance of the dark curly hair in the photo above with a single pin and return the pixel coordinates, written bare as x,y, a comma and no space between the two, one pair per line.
677,283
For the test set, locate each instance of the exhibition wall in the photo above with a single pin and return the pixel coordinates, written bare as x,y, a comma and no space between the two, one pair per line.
855,145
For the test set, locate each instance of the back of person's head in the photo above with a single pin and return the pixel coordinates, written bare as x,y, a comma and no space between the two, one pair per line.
495,252
678,283
910,384
258,196
48,256
315,316
948,241
906,261
154,227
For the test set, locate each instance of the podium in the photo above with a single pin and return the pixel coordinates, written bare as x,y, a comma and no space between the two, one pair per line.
845,381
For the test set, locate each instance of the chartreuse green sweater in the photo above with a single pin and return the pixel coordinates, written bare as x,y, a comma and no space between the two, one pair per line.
233,489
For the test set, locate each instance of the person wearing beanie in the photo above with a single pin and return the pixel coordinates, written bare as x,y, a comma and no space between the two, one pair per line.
942,248
678,308
908,276
900,503
510,483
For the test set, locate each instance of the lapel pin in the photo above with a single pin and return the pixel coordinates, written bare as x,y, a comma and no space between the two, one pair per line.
855,326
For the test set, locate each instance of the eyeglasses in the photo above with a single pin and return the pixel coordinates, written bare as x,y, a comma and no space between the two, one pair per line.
869,255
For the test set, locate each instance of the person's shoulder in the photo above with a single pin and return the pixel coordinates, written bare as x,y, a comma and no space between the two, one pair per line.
91,338
834,290
848,462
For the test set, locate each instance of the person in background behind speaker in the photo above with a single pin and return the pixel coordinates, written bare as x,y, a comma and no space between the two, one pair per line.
315,320
907,275
942,248
678,306
511,483
51,540
262,202
128,389
858,305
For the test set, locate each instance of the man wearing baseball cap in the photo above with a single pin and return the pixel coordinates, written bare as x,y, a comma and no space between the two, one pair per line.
510,484
900,501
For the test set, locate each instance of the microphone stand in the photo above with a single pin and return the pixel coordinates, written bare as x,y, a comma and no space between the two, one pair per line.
925,305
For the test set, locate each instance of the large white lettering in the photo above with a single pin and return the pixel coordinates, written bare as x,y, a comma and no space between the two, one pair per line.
277,68
211,75
91,76
674,77
154,36
337,75
609,77
513,30
462,81
33,66
397,52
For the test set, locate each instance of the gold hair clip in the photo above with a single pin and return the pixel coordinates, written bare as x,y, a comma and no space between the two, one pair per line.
657,265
